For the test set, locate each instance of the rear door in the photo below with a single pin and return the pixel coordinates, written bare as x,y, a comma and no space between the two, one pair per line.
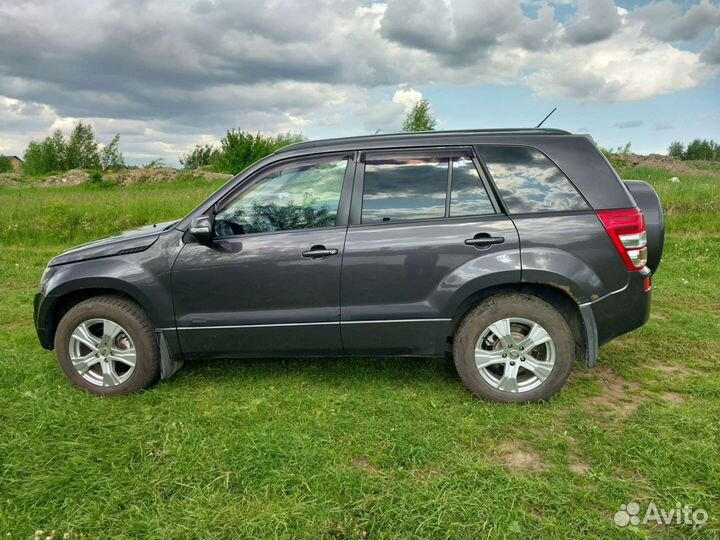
425,232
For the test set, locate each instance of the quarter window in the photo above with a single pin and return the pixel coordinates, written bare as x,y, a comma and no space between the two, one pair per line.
290,197
469,196
529,182
397,188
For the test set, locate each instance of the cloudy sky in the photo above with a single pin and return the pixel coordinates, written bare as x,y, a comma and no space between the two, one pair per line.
168,75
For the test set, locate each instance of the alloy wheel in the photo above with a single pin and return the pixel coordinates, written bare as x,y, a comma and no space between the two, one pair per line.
102,352
515,355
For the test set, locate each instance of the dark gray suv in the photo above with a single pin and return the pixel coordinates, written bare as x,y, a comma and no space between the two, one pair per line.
516,251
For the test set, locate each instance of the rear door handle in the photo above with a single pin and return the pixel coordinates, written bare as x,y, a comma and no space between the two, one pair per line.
318,252
484,240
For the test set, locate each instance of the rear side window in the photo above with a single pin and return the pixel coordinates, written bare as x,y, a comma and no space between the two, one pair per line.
529,182
398,188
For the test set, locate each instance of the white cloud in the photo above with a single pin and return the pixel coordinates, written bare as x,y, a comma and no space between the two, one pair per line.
711,53
593,21
666,20
613,70
407,97
175,72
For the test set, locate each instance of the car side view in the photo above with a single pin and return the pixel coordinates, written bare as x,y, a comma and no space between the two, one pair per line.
516,251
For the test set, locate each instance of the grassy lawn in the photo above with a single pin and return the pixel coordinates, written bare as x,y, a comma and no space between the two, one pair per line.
357,448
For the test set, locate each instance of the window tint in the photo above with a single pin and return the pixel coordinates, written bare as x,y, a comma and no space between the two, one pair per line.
469,196
402,188
529,182
288,198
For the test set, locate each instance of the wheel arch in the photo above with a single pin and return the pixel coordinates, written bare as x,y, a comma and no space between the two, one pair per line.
559,298
63,301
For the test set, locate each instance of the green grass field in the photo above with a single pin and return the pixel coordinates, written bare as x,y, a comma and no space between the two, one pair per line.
357,448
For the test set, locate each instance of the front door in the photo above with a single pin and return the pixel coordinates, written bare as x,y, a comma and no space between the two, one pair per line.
270,283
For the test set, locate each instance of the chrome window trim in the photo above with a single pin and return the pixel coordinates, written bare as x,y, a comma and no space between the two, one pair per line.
319,323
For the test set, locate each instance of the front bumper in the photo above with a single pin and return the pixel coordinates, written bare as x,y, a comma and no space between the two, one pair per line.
41,329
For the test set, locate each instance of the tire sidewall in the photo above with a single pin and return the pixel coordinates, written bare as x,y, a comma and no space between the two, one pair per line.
502,307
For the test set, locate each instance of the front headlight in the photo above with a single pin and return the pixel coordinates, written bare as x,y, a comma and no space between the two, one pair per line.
46,275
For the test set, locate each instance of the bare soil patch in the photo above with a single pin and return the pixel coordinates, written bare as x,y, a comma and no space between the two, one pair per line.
673,397
673,371
618,395
579,468
364,464
517,457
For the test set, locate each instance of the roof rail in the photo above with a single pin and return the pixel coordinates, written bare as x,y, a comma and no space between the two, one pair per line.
422,134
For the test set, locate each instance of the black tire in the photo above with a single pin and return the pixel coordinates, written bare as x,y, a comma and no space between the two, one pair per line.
504,306
134,321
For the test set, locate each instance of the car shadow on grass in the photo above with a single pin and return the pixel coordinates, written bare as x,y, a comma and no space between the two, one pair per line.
364,369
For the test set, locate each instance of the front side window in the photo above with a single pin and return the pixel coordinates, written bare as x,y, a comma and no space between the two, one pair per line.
398,188
529,182
295,196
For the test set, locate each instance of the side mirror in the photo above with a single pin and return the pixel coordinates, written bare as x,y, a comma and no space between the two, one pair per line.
201,228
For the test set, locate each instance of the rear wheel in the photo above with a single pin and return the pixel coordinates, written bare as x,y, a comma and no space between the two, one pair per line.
514,348
107,345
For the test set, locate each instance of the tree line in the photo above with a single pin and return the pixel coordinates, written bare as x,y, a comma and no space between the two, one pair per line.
237,149
81,150
698,149
240,149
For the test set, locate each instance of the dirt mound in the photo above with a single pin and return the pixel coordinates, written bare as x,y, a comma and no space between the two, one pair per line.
9,179
122,177
674,166
72,177
160,174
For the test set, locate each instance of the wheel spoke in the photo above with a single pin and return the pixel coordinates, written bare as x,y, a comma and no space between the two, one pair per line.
83,335
111,329
83,363
485,358
508,382
124,356
540,369
502,331
110,377
537,336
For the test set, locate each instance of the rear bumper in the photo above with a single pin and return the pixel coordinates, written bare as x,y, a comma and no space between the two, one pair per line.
625,310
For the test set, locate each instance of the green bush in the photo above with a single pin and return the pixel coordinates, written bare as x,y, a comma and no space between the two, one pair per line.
79,151
95,178
200,156
238,150
111,158
419,118
5,165
676,150
698,149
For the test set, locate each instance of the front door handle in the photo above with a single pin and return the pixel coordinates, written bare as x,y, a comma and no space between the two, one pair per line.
484,240
318,252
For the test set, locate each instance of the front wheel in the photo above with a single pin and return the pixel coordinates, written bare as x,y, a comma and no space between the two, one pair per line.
106,345
514,348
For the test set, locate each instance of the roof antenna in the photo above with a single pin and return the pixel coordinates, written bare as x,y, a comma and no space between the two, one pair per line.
548,116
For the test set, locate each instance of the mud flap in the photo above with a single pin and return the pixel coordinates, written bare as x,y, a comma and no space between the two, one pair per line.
591,335
168,366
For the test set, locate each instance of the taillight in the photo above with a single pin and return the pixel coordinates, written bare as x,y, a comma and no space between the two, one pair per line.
626,228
